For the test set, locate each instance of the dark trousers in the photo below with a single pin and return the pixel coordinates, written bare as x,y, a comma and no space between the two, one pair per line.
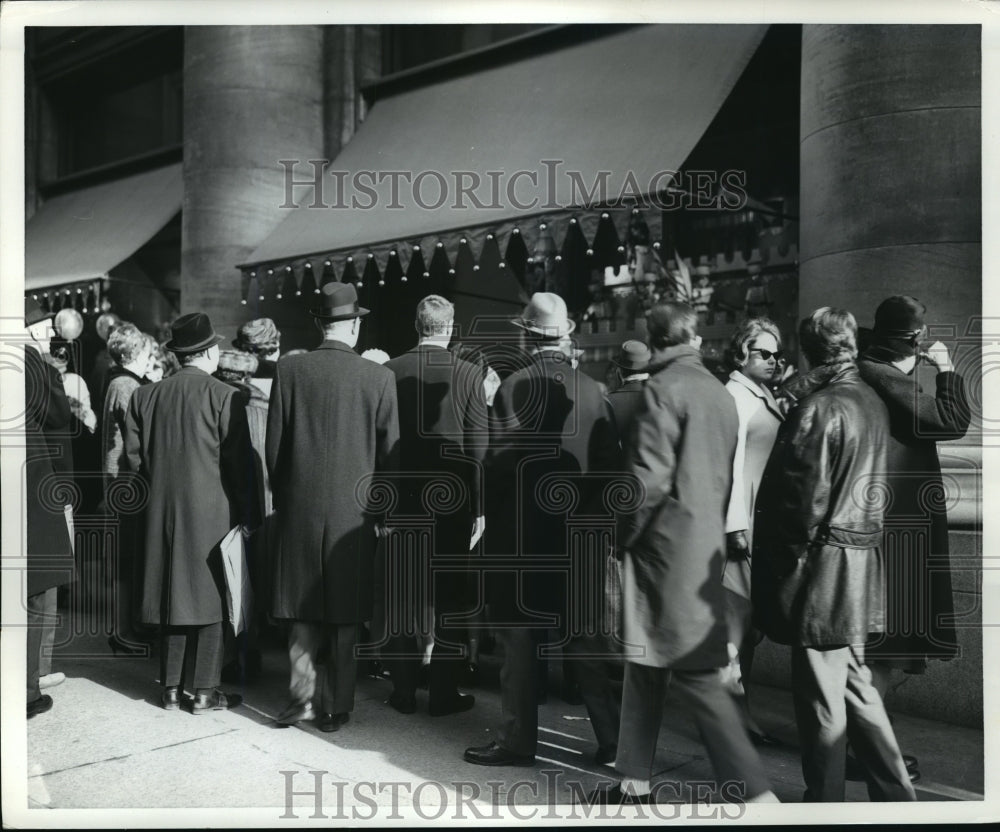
589,659
715,713
35,625
518,729
450,598
835,701
207,639
305,641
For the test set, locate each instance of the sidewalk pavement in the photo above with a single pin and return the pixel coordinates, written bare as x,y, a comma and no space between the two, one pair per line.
107,744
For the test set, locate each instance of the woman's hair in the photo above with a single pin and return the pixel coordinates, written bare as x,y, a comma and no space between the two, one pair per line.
125,343
738,351
829,336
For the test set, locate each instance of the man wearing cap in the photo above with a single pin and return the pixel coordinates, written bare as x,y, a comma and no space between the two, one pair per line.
332,429
630,377
681,451
553,435
187,437
49,548
443,439
927,404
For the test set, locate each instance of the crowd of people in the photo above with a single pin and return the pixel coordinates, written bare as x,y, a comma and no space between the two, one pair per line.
386,505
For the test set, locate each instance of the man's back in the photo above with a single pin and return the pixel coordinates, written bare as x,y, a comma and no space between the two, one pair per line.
442,418
332,425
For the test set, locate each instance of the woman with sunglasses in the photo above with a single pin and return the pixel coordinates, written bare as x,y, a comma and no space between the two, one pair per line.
755,355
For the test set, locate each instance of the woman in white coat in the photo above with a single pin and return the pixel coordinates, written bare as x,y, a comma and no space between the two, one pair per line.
755,352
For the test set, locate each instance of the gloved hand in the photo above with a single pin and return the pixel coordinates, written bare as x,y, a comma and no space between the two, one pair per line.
737,545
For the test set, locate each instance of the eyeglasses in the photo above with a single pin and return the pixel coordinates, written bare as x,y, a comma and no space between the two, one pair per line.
767,355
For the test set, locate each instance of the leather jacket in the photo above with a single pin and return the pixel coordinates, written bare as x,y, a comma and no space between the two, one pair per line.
817,560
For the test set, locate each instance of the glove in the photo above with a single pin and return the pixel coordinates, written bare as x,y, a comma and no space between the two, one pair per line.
737,546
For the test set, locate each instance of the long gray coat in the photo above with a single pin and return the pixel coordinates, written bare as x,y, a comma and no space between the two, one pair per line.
681,449
187,437
332,425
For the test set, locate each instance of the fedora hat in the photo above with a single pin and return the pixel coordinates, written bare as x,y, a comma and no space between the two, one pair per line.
192,333
338,302
634,356
900,316
546,315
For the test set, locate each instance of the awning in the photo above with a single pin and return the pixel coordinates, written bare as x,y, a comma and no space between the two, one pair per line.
82,235
633,103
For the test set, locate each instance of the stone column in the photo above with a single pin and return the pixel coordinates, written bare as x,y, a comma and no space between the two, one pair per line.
890,169
252,95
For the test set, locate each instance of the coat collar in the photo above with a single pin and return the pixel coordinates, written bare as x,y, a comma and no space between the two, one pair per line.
761,393
818,378
331,344
879,354
189,370
681,354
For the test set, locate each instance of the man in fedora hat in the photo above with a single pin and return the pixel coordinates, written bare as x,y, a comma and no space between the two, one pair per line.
332,427
49,547
187,437
630,375
553,431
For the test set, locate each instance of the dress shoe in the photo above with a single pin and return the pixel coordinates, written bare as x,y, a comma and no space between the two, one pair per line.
764,740
405,703
328,723
296,712
126,648
453,705
855,773
215,700
50,680
170,699
606,754
470,675
39,706
614,796
494,755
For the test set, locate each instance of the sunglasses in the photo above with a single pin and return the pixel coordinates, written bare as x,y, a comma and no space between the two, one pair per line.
767,355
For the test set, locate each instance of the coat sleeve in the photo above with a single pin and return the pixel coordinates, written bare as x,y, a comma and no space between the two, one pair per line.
475,431
275,424
939,417
236,458
794,496
652,460
132,438
387,428
736,515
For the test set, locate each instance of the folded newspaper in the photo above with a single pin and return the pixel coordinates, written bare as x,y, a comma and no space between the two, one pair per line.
239,595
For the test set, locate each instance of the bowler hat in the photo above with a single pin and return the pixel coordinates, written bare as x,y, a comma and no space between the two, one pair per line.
192,333
33,313
899,317
546,315
338,302
634,356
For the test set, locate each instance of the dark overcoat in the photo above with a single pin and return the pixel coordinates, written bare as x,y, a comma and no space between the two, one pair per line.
681,450
816,572
47,412
443,436
625,403
919,604
332,428
186,436
553,449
